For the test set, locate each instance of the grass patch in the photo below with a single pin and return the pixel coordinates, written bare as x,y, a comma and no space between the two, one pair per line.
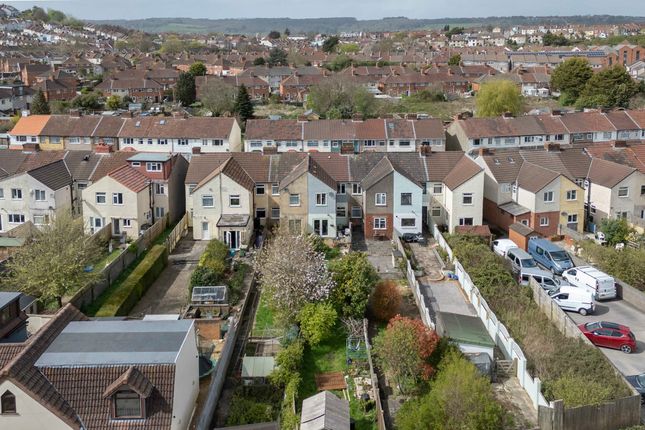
263,317
328,356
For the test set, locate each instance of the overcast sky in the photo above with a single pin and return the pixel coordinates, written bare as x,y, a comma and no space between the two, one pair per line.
362,9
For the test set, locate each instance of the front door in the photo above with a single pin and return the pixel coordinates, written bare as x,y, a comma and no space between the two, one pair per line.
116,226
206,234
232,239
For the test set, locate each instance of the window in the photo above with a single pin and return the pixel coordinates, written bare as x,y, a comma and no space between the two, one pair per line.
127,223
41,219
406,199
40,195
259,190
191,188
117,198
218,142
465,221
408,222
234,201
572,195
16,194
621,214
160,189
275,213
8,403
136,164
356,189
379,224
294,199
100,198
275,190
312,143
437,189
436,211
380,199
153,167
404,143
159,211
572,219
356,211
204,142
16,218
623,192
548,196
341,188
1,193
467,198
341,211
260,213
525,222
321,199
163,141
544,221
642,191
476,142
149,141
127,404
558,137
208,201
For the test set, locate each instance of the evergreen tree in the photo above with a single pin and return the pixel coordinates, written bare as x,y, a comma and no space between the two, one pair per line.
243,105
185,91
39,105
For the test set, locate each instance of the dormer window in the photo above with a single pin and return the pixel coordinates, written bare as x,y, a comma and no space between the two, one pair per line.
8,403
127,404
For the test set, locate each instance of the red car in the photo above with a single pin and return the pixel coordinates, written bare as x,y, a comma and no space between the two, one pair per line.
610,335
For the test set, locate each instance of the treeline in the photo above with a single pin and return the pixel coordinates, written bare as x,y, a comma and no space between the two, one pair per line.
51,16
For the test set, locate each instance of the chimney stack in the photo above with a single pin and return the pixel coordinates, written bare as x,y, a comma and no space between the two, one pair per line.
197,150
620,144
552,147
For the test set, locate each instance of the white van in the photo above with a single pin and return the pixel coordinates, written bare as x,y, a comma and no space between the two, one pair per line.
574,299
598,283
501,246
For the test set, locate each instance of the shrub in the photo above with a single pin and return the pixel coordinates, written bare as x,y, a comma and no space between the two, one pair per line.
616,230
460,398
556,359
246,411
626,265
355,278
204,276
288,363
216,250
386,300
316,321
125,296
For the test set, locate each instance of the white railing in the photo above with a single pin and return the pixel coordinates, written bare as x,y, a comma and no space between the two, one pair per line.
497,330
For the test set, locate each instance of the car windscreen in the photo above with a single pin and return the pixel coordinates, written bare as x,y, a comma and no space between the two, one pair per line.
559,255
528,263
592,326
641,379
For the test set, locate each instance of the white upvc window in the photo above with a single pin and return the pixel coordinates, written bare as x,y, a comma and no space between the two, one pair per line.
208,201
40,195
467,199
41,219
321,199
294,199
16,194
100,198
436,211
275,190
548,197
572,195
356,189
380,199
127,222
572,218
275,213
380,223
234,201
437,189
544,221
259,189
160,189
341,188
153,166
16,218
623,192
117,198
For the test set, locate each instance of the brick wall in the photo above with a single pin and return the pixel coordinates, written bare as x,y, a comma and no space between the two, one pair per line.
549,230
502,219
370,233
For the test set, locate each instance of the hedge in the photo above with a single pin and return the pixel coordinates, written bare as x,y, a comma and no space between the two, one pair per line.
570,369
126,295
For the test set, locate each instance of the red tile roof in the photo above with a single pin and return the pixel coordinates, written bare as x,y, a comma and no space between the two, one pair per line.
130,178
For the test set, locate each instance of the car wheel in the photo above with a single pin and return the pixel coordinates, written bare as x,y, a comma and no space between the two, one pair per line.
626,349
582,312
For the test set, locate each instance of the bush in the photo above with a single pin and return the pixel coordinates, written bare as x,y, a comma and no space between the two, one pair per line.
626,265
355,278
616,230
556,359
316,322
246,411
125,296
203,276
288,362
216,250
386,300
460,398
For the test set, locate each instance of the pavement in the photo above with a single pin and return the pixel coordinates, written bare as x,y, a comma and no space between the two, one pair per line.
169,293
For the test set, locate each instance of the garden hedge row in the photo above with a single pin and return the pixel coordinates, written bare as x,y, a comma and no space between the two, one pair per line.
126,295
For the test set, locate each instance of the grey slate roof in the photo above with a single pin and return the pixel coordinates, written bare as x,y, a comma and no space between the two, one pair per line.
54,175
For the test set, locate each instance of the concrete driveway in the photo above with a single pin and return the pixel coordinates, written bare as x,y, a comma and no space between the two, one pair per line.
169,293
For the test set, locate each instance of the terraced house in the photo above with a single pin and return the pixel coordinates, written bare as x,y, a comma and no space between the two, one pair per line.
325,193
346,136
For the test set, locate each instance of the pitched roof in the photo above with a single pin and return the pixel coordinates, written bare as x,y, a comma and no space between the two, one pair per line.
202,165
130,178
607,173
81,164
285,129
325,411
30,125
621,120
632,155
233,170
583,122
174,128
429,128
54,175
133,379
464,170
381,170
109,162
533,177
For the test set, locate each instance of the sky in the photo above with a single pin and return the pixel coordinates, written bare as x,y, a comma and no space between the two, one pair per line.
361,9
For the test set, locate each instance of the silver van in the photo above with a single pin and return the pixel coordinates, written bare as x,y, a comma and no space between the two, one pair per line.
520,260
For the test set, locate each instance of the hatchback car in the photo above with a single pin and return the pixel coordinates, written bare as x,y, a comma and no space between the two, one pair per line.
610,335
638,382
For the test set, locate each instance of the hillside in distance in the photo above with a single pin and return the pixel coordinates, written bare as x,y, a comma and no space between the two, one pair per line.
347,24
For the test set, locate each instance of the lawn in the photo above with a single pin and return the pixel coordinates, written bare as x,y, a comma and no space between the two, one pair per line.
107,259
263,318
330,356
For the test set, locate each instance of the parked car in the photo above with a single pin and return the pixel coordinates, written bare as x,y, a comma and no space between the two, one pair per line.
520,260
413,237
638,382
574,299
548,282
535,272
593,280
501,246
550,255
610,335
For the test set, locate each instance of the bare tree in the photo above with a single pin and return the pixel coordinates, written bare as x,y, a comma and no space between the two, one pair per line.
218,97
